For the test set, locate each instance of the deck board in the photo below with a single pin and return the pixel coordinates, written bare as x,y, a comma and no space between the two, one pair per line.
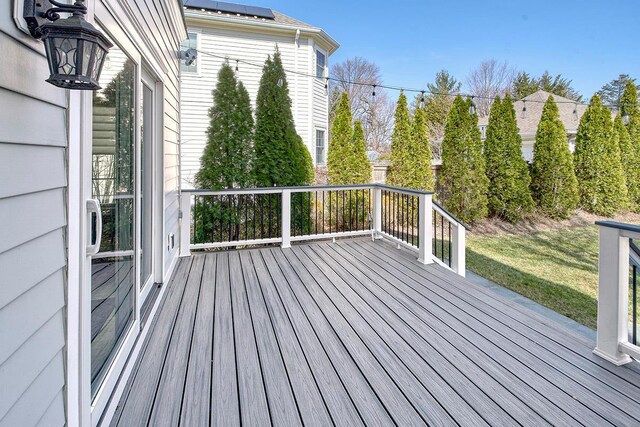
359,333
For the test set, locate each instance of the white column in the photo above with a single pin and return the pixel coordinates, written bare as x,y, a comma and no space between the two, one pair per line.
377,212
425,219
613,295
185,224
286,218
458,248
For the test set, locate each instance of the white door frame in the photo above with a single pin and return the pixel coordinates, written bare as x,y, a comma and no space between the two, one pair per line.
81,411
91,410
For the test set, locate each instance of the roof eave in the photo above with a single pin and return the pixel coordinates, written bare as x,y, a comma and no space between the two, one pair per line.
319,32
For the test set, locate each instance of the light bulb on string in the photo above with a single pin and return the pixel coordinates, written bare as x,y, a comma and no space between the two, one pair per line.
326,84
280,82
575,112
472,106
524,109
422,99
625,118
374,91
237,61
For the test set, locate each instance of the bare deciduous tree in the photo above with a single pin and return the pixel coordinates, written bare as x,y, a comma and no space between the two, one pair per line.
488,80
375,112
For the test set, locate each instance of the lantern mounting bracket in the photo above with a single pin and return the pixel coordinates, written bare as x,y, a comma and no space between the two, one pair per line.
38,12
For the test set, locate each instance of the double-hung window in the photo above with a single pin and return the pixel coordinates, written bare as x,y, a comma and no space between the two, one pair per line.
320,147
190,43
320,64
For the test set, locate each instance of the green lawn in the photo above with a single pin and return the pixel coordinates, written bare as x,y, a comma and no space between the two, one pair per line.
556,268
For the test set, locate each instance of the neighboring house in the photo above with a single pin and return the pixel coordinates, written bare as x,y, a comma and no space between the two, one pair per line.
71,321
528,114
249,34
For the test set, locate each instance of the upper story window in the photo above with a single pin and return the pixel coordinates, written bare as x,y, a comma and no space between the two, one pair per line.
320,64
320,147
190,43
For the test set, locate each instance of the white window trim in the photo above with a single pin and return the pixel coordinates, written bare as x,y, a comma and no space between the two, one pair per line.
325,72
315,146
197,72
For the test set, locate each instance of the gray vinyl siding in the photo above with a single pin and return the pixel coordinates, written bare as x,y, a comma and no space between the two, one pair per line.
251,46
162,19
33,141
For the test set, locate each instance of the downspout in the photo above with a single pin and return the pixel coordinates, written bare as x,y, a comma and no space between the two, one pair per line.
295,75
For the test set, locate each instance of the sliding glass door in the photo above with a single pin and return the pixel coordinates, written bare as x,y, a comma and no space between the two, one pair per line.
114,181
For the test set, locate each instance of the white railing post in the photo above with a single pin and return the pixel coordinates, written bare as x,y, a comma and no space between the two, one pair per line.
458,249
286,218
185,224
377,212
425,219
613,295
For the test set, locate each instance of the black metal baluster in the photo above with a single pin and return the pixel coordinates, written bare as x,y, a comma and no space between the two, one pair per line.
262,216
634,306
418,225
435,231
449,244
412,224
323,215
315,207
442,237
357,205
330,212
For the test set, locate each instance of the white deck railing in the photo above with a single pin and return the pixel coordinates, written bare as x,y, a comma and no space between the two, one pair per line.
282,215
613,341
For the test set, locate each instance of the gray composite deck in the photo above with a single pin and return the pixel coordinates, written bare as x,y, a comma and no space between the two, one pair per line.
359,333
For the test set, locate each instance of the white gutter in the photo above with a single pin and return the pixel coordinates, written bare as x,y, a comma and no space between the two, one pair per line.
261,22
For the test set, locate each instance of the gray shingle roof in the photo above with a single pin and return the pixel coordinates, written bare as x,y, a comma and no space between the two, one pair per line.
535,103
280,18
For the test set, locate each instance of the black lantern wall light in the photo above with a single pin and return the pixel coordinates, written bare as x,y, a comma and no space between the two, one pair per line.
75,49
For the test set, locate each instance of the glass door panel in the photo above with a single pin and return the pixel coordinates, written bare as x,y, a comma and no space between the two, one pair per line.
146,185
113,268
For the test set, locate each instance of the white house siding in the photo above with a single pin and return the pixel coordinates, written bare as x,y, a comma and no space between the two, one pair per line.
33,216
251,45
161,25
33,209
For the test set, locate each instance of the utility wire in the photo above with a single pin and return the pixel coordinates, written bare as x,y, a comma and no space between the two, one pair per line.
374,86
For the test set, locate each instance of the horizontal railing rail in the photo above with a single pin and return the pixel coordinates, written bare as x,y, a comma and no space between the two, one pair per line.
617,333
281,215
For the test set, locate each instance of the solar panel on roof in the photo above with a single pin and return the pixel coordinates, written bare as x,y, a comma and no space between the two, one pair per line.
231,8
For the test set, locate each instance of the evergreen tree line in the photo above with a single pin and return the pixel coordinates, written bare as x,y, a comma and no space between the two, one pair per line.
602,176
242,153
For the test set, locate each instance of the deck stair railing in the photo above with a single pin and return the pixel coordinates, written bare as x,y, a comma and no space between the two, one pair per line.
282,215
618,265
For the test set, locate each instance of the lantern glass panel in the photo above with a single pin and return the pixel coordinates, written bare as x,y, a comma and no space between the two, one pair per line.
66,55
88,48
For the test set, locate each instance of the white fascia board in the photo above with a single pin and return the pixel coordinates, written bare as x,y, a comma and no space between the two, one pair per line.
201,19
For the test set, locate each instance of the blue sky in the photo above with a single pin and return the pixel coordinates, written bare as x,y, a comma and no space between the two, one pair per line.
587,41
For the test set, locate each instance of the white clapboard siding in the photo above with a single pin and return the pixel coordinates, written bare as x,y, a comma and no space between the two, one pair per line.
33,139
250,45
163,29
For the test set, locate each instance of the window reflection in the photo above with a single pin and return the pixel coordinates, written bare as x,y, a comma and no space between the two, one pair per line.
113,184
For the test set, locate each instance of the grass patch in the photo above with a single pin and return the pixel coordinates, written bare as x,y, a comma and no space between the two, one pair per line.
556,268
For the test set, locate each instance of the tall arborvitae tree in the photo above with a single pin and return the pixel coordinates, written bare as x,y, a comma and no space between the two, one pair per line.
508,195
281,157
463,181
630,142
361,164
341,143
420,154
601,180
227,158
400,168
553,181
630,163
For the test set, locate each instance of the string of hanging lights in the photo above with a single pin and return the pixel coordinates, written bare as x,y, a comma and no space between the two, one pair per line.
422,92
